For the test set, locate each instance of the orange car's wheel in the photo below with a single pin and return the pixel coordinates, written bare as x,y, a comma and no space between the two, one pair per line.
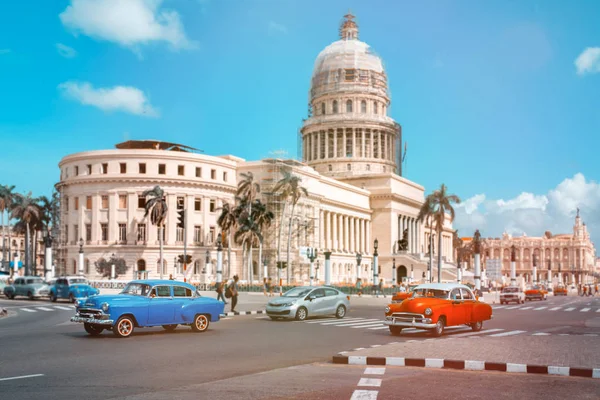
476,326
395,330
439,327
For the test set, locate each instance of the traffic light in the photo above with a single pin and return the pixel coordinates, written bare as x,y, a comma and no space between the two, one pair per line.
181,218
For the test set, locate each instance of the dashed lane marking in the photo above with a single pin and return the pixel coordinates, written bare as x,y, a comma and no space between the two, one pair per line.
379,328
512,308
375,324
525,308
27,310
539,308
324,321
364,395
477,333
540,334
374,371
372,382
63,308
570,309
44,308
555,308
511,333
585,309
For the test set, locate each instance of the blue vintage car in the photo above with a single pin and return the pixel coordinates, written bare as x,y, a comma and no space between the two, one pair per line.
147,303
72,288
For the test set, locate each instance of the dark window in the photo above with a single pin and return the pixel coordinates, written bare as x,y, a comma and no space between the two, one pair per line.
180,291
180,170
162,169
363,107
141,201
350,74
349,106
335,106
318,293
89,169
213,206
455,295
163,291
123,168
142,168
224,176
331,292
323,108
105,168
213,174
466,294
198,204
76,170
198,172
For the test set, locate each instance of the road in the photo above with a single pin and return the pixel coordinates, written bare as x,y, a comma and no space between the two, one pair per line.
276,359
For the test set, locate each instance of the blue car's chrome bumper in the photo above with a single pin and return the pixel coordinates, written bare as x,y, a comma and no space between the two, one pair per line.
86,320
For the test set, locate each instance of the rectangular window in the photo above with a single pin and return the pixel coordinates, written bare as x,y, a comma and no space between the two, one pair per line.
76,170
142,168
88,202
213,206
197,204
141,230
213,174
179,234
105,168
76,233
162,169
180,170
88,232
198,172
180,203
224,176
350,75
122,232
198,234
122,201
141,201
66,203
66,233
76,206
104,232
123,168
89,169
211,235
104,202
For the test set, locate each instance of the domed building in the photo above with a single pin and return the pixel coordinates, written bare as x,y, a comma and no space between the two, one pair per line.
350,166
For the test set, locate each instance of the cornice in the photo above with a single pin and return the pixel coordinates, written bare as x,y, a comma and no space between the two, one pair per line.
189,183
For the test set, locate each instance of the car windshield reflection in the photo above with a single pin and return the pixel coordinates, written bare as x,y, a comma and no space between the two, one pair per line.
78,280
138,289
510,290
297,292
436,293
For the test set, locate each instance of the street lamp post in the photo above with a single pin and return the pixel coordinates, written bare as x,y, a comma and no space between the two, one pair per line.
112,267
81,242
318,266
375,261
206,270
219,261
48,270
534,270
327,267
393,272
412,274
358,261
312,255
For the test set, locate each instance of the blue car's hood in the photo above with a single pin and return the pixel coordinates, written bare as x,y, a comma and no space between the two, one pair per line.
112,299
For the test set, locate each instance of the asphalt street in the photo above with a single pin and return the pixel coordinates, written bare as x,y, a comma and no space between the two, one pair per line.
254,357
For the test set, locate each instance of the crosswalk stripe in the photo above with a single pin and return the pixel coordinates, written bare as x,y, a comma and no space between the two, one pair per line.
27,310
555,308
585,309
511,333
367,326
540,334
512,308
598,310
44,309
63,308
342,323
482,332
378,328
356,323
539,308
322,321
525,308
570,309
590,334
498,307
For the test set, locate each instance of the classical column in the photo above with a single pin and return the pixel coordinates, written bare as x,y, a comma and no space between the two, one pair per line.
335,140
334,244
321,229
327,267
361,229
367,236
413,229
362,146
513,277
344,147
346,233
352,234
353,142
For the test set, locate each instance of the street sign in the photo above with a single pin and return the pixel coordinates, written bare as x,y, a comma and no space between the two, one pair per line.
493,268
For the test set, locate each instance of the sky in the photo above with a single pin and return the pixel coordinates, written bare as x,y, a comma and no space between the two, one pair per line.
499,100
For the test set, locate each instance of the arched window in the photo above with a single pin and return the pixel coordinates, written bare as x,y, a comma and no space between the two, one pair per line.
323,108
335,107
363,107
374,107
349,106
329,167
141,265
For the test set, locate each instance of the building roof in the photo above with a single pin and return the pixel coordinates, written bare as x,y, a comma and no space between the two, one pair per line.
155,145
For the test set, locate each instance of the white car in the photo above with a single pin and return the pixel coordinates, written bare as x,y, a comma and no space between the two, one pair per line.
512,293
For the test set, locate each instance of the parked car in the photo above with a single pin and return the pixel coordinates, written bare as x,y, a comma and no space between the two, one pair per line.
512,293
29,286
399,297
434,306
307,301
536,292
72,288
560,290
148,303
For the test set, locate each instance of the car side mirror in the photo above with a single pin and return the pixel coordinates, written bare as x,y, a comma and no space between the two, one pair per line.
309,298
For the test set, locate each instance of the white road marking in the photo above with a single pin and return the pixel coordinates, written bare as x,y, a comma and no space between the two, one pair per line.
338,322
379,327
525,308
512,308
590,334
357,324
27,310
482,332
359,348
63,308
539,308
585,309
364,395
44,309
555,308
369,382
367,326
511,333
540,334
498,307
326,320
21,377
374,371
570,309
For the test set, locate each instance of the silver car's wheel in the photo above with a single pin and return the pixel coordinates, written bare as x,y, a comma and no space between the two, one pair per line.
301,314
340,312
124,327
201,323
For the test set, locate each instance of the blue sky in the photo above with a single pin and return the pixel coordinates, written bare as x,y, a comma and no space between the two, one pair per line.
488,93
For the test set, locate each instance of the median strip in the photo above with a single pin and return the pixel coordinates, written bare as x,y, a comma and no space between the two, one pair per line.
231,314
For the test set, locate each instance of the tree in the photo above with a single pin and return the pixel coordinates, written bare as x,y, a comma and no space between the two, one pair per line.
441,203
157,208
27,212
6,201
104,267
263,218
227,221
246,193
248,233
289,187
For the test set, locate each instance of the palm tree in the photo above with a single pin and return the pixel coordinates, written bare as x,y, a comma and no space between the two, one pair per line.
441,203
288,187
247,191
459,248
425,214
157,208
6,202
248,232
227,221
263,218
27,211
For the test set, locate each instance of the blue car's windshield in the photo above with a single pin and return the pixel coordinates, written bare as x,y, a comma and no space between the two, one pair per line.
297,292
139,289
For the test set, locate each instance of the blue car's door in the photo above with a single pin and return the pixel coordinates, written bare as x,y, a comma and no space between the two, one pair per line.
63,288
183,298
161,307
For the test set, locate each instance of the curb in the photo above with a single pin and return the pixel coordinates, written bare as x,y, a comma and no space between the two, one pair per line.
231,314
468,365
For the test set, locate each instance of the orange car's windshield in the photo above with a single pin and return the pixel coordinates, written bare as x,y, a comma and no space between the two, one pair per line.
437,293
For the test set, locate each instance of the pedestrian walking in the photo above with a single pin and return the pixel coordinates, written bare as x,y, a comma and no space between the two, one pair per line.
402,288
233,288
220,290
265,287
380,288
596,289
359,286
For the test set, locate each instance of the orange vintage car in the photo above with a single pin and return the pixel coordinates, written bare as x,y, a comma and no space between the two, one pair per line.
399,297
560,290
434,306
536,292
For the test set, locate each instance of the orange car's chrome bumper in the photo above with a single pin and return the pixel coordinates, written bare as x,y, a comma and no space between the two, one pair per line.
403,322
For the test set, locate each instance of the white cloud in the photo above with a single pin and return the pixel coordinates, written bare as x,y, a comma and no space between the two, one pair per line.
117,98
533,214
588,61
65,51
274,28
4,51
128,22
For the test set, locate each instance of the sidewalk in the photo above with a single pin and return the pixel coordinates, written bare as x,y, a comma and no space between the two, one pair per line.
558,355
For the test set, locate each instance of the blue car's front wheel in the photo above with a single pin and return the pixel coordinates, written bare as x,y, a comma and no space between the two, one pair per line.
124,327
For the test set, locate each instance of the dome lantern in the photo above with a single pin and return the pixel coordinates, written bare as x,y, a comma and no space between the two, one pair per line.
349,28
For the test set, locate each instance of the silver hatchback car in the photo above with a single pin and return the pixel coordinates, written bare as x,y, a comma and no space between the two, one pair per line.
308,301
